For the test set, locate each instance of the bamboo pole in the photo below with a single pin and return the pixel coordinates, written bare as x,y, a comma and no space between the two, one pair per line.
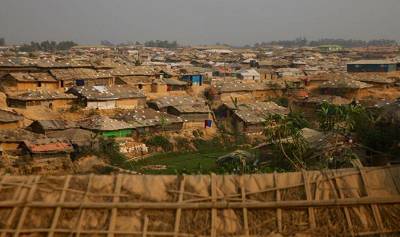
163,233
311,215
374,207
145,226
278,199
395,199
245,212
58,210
213,210
9,185
114,211
81,209
345,209
350,173
396,180
179,210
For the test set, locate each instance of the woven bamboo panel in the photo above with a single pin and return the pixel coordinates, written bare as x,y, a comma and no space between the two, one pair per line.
347,202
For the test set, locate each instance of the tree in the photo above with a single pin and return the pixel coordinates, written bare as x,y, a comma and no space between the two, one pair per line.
66,45
107,43
161,44
338,118
286,137
47,46
347,43
2,42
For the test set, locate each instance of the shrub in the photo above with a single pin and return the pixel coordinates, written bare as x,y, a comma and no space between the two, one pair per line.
160,141
282,101
197,133
183,144
110,148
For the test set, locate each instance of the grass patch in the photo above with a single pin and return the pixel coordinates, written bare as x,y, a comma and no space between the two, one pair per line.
182,163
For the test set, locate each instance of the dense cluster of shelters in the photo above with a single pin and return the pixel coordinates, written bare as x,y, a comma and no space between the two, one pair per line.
92,92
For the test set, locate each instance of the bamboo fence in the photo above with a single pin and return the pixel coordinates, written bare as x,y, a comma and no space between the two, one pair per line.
346,202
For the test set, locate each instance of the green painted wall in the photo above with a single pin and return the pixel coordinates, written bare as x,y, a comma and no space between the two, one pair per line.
119,133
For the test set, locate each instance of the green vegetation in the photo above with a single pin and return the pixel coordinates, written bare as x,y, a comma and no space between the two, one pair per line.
279,130
339,118
48,46
161,44
160,142
110,149
182,163
346,128
197,156
379,133
347,43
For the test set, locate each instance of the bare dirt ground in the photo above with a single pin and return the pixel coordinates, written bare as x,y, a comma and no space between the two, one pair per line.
389,94
3,103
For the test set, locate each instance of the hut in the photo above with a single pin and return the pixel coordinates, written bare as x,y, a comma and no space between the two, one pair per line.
347,88
69,77
247,118
254,91
136,76
194,115
10,139
46,148
159,86
308,106
151,121
248,74
107,127
10,120
193,110
49,126
175,85
23,81
52,99
106,97
162,103
143,84
80,139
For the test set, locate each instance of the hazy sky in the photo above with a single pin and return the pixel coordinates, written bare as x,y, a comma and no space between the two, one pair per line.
197,21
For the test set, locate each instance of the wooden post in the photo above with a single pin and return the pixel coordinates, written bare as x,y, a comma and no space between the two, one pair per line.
145,225
278,210
114,211
58,210
396,180
179,210
245,212
374,207
346,210
213,210
311,216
